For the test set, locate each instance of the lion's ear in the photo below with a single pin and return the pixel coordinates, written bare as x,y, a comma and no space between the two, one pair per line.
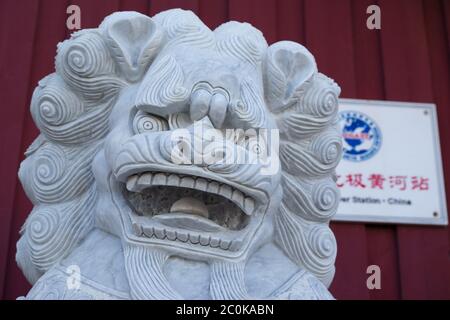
134,40
288,66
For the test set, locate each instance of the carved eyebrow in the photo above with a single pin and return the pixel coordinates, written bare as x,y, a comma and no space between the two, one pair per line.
250,110
162,91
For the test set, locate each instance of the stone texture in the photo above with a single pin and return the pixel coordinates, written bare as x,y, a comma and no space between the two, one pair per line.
126,203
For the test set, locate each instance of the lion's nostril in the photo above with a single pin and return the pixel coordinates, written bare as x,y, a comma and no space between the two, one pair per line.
211,101
218,109
200,102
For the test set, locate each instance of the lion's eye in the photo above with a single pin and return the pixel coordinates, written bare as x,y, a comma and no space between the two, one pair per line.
256,143
145,122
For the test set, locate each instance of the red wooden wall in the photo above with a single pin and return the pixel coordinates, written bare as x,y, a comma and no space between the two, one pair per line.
408,60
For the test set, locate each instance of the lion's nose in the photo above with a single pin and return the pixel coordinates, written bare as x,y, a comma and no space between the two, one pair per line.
200,101
204,103
218,109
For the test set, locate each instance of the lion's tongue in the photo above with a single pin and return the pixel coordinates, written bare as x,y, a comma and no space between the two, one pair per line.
190,206
189,213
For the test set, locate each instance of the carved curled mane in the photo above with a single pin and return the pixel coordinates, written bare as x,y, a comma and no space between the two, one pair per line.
305,104
71,108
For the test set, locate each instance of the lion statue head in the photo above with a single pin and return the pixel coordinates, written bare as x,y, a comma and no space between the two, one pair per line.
175,153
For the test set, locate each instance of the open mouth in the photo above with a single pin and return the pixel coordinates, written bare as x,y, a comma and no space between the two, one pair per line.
188,208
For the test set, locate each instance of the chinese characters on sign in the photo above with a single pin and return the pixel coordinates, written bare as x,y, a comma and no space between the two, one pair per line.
391,167
379,181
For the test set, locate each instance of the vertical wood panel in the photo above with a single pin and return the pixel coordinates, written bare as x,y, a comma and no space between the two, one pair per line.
382,251
446,12
93,12
423,251
381,240
329,37
442,28
291,21
213,13
49,31
262,14
142,6
161,5
435,22
18,25
367,54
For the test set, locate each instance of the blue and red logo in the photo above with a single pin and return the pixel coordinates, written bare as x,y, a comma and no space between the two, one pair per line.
361,136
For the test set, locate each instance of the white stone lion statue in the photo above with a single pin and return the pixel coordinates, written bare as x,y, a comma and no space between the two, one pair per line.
119,211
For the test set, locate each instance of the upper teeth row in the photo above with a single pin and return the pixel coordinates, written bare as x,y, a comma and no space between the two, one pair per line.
139,182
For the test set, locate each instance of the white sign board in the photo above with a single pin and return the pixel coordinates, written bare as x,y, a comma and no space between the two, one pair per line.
391,171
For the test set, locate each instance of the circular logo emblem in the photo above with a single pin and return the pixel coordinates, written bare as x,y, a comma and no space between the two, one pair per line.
361,136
